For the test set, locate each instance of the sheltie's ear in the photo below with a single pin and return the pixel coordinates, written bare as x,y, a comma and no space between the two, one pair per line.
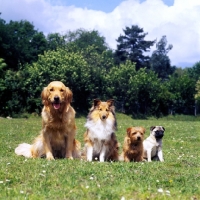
44,96
96,102
110,102
128,131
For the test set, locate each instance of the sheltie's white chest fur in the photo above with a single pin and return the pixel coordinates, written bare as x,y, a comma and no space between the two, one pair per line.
100,130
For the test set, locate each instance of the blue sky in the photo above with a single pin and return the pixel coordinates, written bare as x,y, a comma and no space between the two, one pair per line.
105,5
178,20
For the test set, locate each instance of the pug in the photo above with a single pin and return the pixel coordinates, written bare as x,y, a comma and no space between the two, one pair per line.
153,144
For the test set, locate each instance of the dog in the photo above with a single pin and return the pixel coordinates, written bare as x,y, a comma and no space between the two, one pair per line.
57,137
153,144
133,145
100,139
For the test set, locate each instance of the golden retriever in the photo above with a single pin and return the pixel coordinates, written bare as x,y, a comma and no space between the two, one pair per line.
133,145
100,139
57,138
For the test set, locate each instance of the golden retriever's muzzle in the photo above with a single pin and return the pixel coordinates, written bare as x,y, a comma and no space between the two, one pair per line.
56,103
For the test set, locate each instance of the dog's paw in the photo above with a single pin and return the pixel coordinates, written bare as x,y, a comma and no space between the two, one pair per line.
70,158
49,156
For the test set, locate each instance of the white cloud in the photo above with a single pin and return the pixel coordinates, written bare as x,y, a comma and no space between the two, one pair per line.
180,22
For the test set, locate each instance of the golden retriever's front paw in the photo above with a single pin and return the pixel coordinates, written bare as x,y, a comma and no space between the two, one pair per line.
70,158
49,156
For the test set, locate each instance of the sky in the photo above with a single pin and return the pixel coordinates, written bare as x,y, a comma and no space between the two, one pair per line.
178,20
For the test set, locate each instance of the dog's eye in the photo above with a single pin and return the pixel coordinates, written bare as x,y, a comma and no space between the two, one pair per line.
61,90
107,110
100,109
51,90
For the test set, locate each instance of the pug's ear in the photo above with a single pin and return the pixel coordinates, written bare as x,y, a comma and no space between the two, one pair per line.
152,127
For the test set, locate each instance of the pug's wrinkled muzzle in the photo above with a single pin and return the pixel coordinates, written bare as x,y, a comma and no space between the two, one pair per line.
159,134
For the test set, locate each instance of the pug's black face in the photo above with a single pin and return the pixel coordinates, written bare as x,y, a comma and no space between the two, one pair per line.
159,134
157,131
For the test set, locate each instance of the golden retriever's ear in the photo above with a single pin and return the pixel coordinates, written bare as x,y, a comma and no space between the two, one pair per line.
128,130
96,102
110,102
69,95
44,96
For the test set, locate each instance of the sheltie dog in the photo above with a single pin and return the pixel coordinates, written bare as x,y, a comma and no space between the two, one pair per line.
57,137
133,145
100,139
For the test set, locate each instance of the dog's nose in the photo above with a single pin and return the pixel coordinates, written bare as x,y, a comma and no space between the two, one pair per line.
103,117
138,138
56,99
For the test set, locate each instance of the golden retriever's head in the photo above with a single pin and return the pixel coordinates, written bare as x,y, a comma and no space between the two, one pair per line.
136,134
103,109
56,95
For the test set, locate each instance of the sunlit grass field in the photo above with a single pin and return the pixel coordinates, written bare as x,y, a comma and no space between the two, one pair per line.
177,178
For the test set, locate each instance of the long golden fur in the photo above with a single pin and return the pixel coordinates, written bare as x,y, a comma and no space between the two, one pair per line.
100,139
133,145
57,137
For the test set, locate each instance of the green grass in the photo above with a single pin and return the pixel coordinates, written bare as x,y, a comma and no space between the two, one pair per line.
178,176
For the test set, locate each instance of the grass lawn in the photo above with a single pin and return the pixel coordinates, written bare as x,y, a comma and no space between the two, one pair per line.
177,178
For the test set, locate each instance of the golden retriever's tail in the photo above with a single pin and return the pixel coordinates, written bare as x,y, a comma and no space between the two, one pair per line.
24,149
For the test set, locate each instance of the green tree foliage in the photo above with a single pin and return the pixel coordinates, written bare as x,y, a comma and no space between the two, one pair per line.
194,72
133,46
70,68
92,47
160,62
2,75
84,62
21,43
83,39
182,90
55,40
197,88
137,92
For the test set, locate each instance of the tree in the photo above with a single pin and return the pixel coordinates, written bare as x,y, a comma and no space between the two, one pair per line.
92,47
160,62
21,44
194,72
55,40
139,93
181,89
2,75
132,46
82,39
197,95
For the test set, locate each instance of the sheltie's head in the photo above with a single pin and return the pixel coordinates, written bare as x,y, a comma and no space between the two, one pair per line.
102,110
